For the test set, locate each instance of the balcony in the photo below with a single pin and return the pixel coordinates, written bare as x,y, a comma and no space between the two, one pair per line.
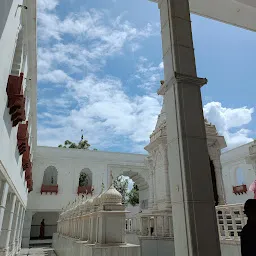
26,163
85,190
16,100
49,189
28,173
30,185
22,138
237,190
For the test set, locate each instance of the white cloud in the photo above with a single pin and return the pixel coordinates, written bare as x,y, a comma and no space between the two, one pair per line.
47,4
106,113
55,76
161,65
230,122
149,75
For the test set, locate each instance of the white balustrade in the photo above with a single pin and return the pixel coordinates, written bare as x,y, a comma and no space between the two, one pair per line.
231,219
151,225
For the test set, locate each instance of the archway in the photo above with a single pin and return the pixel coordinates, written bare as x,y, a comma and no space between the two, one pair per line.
135,175
50,220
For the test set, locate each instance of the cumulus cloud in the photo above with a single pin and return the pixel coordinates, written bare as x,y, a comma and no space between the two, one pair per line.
106,113
94,37
148,75
77,95
230,122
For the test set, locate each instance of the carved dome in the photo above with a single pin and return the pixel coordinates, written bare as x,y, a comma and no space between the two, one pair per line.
111,196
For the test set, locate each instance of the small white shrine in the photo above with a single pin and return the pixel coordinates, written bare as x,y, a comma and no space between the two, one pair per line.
94,226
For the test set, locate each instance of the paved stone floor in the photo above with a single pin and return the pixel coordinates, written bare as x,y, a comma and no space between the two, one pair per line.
37,251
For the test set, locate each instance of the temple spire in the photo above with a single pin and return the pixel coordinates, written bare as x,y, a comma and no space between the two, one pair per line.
111,178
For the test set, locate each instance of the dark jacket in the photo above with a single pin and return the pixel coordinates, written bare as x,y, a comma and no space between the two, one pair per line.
248,240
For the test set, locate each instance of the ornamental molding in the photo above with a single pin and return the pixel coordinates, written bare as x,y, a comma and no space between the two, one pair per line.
181,78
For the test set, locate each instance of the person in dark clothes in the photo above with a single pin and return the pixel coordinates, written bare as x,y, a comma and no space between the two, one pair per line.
42,229
248,238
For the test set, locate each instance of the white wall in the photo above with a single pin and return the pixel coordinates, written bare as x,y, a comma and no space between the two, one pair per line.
69,163
231,161
10,160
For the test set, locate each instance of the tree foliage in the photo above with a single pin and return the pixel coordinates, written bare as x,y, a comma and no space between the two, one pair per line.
82,144
121,185
133,195
83,181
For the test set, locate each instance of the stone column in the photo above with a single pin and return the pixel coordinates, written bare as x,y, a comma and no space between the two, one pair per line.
149,163
14,227
26,228
151,190
168,203
3,194
219,181
7,228
194,217
19,232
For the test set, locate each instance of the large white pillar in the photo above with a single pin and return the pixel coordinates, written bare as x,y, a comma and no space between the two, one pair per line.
26,228
7,227
19,231
15,227
194,218
3,194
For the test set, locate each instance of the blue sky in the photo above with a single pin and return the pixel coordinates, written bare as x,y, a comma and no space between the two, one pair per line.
99,67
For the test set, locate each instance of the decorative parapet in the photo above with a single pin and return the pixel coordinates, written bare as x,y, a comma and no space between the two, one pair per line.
16,100
49,189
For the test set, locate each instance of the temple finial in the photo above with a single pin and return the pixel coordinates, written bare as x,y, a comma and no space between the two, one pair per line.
82,136
111,178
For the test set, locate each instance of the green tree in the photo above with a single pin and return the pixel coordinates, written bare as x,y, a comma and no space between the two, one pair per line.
83,144
133,195
121,185
83,181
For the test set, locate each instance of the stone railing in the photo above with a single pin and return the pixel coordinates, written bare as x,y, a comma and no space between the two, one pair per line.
231,219
88,226
150,225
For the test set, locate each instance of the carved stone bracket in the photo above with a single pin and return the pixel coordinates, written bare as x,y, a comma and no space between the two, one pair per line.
180,78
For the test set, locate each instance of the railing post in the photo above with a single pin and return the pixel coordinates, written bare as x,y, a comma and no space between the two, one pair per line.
241,213
233,218
225,224
149,231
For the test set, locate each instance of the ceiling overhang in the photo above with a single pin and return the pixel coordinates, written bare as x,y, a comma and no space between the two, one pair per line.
241,13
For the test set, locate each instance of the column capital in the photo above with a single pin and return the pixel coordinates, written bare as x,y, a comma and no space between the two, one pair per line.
181,78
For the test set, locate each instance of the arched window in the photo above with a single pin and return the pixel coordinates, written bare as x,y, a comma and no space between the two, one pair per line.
239,176
50,176
85,178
